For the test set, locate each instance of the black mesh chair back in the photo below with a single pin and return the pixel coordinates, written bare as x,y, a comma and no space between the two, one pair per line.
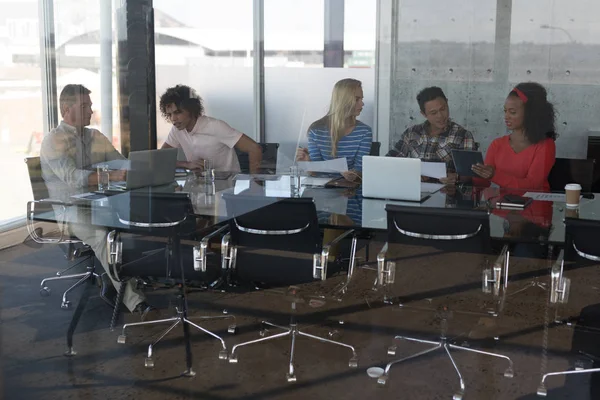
582,239
375,148
447,229
269,157
148,209
275,239
570,170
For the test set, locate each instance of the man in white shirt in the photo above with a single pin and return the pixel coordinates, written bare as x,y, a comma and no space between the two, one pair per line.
67,154
201,137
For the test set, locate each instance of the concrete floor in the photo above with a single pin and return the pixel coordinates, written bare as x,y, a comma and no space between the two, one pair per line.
32,339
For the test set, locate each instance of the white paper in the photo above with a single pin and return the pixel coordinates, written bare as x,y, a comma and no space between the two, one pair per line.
241,185
429,187
311,181
335,165
559,197
280,188
434,170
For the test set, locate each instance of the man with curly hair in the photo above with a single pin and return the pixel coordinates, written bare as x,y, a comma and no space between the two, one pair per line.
202,137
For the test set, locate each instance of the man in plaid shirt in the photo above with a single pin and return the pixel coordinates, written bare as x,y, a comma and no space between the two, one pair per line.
434,139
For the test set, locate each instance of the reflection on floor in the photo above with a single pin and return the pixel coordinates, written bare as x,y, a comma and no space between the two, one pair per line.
32,334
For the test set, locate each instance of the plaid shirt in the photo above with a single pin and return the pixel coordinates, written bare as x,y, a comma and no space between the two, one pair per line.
416,143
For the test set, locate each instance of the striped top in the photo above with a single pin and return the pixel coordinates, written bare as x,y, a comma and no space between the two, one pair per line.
353,146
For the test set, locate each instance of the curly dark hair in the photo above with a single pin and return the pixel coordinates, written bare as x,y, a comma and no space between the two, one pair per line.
540,116
428,94
185,98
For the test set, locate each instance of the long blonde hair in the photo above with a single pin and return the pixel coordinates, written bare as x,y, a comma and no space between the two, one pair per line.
341,111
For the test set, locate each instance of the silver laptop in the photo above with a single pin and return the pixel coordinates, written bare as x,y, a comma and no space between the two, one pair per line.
394,178
149,168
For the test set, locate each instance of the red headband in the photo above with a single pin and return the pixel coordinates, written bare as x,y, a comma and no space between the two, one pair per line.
520,94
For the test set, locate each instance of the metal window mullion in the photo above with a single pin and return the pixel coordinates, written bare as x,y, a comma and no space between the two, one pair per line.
333,46
386,10
502,40
48,64
258,16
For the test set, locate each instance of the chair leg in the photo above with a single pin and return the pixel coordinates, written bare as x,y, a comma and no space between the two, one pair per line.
382,380
149,362
291,375
542,391
65,302
222,353
509,372
353,363
232,328
233,356
458,395
123,338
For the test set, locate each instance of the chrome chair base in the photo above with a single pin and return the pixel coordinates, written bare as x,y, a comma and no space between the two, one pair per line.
293,331
81,279
543,392
180,318
442,344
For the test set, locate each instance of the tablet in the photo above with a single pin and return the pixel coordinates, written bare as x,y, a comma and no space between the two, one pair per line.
464,160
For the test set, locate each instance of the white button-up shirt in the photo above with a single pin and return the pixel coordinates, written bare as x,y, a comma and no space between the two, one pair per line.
210,139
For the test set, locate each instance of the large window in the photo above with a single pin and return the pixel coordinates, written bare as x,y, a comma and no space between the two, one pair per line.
301,41
207,45
21,110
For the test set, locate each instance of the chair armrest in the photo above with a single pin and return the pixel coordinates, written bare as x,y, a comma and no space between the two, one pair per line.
201,248
558,284
386,270
30,220
320,260
114,254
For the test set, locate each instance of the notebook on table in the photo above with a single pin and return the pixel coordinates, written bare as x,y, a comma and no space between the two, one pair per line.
149,168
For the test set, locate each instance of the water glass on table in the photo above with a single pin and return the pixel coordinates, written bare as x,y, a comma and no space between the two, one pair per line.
294,181
209,171
103,177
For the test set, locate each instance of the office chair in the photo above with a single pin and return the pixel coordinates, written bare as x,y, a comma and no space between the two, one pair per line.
163,214
269,158
375,148
581,247
569,170
274,243
419,229
42,209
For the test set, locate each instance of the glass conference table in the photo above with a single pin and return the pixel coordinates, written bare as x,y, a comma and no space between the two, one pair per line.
541,221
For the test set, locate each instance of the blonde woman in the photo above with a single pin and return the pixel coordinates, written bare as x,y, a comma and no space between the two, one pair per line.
339,134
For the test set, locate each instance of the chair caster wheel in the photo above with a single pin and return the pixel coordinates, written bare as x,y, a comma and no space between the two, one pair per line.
290,378
382,380
232,329
45,291
457,396
149,363
353,363
65,305
121,339
509,373
541,391
70,352
391,351
233,358
223,355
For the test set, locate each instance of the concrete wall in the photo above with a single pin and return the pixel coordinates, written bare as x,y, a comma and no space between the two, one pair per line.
479,54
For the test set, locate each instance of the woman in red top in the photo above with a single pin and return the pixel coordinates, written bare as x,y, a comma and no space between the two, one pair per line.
522,159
